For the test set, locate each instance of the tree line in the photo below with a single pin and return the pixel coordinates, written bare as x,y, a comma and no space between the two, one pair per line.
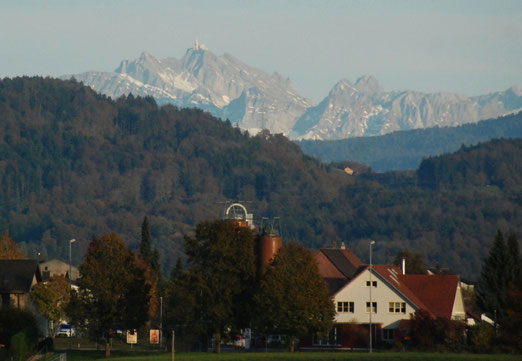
75,164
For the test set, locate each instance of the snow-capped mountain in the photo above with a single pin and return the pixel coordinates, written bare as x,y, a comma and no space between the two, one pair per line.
255,100
365,109
222,85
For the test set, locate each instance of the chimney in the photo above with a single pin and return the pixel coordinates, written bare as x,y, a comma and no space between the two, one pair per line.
403,265
343,246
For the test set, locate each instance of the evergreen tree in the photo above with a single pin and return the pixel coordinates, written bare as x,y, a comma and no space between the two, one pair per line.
513,253
146,252
493,283
145,245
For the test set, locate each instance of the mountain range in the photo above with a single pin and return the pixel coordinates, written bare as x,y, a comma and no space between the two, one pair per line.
406,149
254,100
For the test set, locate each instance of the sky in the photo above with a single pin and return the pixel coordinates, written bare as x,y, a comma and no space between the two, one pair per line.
471,47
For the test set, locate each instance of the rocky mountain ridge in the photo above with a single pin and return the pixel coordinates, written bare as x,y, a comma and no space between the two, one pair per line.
255,100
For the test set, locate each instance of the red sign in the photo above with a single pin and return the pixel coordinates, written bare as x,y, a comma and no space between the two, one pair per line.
154,336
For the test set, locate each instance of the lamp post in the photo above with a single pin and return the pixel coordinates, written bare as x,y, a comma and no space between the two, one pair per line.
70,264
371,286
161,322
70,286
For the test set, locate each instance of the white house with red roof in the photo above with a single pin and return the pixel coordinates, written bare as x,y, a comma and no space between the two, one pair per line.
383,293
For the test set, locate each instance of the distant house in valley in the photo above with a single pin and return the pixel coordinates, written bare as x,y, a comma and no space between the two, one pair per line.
57,267
395,297
17,277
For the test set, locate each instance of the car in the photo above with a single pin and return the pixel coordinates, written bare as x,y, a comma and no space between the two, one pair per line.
64,330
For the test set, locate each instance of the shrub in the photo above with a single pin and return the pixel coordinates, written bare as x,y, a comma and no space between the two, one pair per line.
23,343
13,321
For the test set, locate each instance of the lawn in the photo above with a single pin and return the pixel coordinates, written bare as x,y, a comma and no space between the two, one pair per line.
285,356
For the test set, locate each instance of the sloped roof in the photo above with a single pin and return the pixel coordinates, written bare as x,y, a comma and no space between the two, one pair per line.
337,267
393,276
16,276
437,292
344,260
432,293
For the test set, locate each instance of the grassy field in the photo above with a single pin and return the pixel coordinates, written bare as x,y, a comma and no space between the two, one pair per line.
285,356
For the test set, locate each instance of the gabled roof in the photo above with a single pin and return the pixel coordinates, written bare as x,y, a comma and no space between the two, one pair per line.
437,292
393,276
16,276
337,267
344,260
432,293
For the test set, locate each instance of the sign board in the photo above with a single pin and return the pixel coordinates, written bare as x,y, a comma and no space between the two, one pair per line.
132,337
154,336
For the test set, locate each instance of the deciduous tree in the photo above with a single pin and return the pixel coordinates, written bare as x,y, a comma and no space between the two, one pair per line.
292,298
221,259
51,299
414,262
8,248
111,288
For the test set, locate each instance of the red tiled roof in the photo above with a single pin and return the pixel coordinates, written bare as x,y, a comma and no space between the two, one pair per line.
437,292
393,275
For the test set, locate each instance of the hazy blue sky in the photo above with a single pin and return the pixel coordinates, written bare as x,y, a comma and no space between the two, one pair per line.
469,47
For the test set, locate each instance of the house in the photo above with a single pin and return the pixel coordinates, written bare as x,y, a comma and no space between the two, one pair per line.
57,267
383,296
17,277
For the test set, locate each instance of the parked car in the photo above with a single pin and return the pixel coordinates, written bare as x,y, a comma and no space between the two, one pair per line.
64,330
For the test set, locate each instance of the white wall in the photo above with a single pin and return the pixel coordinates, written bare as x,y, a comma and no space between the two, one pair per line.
459,311
357,291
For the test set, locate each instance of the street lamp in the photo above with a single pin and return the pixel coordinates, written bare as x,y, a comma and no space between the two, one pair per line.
70,264
70,286
371,286
161,322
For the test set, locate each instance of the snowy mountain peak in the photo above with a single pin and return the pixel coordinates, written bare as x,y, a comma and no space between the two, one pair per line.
254,99
368,84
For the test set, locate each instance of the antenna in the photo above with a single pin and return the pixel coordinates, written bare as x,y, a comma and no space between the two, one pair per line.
271,227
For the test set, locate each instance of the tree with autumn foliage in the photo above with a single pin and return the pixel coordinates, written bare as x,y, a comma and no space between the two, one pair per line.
8,248
113,289
51,299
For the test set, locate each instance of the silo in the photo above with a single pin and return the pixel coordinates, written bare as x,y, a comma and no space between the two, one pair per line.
269,245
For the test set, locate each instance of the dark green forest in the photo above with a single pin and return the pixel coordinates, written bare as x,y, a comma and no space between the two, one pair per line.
77,164
407,149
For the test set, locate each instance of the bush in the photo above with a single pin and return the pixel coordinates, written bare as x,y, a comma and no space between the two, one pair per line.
481,337
13,321
23,343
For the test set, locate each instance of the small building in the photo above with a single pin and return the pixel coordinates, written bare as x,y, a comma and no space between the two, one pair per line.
57,267
381,296
17,277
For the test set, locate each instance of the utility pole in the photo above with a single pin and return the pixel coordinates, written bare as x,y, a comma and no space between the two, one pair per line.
371,286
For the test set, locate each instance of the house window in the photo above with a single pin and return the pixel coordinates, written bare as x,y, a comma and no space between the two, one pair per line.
388,334
374,307
397,307
372,283
345,307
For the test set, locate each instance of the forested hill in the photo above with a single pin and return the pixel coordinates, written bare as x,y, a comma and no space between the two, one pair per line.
76,164
496,163
406,149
